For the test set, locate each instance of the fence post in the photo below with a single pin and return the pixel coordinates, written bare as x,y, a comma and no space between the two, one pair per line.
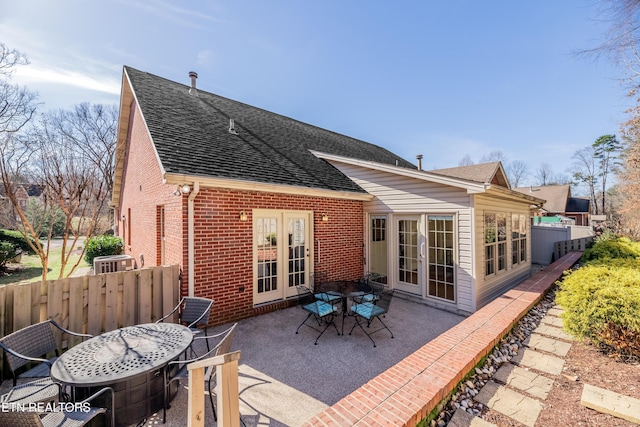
227,395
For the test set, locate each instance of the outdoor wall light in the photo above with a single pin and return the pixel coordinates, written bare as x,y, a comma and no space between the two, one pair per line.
324,217
124,218
182,189
243,216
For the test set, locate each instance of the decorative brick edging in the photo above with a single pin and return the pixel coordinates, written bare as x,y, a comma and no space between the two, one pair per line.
407,392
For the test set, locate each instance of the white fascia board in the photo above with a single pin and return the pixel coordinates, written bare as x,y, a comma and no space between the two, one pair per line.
506,193
241,185
471,187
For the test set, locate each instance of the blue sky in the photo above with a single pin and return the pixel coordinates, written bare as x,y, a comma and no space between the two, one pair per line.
442,79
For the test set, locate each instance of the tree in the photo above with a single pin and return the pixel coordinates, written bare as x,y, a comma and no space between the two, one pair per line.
17,104
584,172
630,178
606,150
517,171
494,156
92,129
466,161
544,174
72,174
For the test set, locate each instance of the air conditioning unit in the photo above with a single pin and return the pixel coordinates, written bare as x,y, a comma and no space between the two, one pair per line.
112,263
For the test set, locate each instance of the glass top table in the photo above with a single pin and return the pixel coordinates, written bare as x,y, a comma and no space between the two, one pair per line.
345,289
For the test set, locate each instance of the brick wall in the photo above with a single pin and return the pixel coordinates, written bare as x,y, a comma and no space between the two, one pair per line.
223,244
143,193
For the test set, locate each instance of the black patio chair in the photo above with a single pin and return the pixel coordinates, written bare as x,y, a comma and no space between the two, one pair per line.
40,390
370,288
367,312
222,347
33,344
320,311
322,290
193,312
81,414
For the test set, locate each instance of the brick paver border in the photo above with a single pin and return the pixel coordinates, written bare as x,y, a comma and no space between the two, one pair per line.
407,392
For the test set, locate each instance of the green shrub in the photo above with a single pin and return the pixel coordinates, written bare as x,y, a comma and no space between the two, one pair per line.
620,247
602,303
103,246
16,239
7,253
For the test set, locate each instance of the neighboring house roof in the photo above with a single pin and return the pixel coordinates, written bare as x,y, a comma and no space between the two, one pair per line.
491,173
556,196
191,137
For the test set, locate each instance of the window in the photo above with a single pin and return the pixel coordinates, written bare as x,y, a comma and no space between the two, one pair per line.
441,256
501,219
489,243
378,229
518,238
495,242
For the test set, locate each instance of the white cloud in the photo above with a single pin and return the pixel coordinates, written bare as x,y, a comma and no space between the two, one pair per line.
205,58
35,74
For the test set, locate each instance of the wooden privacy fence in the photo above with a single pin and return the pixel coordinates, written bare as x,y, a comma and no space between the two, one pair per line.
91,304
560,249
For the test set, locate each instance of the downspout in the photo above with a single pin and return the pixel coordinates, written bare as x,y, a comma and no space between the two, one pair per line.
191,238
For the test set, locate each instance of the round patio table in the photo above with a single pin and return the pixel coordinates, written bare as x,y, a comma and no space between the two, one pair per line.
345,289
131,361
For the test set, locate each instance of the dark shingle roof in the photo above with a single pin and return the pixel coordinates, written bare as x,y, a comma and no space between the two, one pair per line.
191,135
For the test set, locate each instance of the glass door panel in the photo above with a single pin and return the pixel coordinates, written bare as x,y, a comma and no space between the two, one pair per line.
266,246
378,250
441,280
408,255
298,252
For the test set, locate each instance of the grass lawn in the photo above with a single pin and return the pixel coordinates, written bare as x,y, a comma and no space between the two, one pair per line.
30,268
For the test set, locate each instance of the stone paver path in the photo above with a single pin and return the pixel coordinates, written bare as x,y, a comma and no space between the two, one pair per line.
518,389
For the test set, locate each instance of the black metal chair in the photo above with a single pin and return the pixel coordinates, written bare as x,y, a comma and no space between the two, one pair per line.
222,347
367,286
368,311
40,390
32,344
81,414
321,311
193,312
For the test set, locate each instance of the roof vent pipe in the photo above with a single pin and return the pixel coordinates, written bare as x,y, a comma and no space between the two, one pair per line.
419,157
193,76
232,127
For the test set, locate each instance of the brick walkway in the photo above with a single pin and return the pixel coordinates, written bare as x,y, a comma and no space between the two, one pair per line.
406,393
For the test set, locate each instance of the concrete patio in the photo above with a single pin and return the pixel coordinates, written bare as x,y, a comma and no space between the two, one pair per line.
285,380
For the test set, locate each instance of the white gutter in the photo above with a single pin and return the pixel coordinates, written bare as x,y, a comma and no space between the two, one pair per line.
191,238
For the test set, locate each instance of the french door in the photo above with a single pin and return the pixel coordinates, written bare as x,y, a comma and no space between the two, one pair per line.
423,253
408,244
281,253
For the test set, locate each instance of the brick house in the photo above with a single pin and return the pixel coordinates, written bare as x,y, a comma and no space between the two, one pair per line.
250,203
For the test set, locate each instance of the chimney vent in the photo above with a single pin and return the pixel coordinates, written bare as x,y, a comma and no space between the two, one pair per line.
193,76
419,157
